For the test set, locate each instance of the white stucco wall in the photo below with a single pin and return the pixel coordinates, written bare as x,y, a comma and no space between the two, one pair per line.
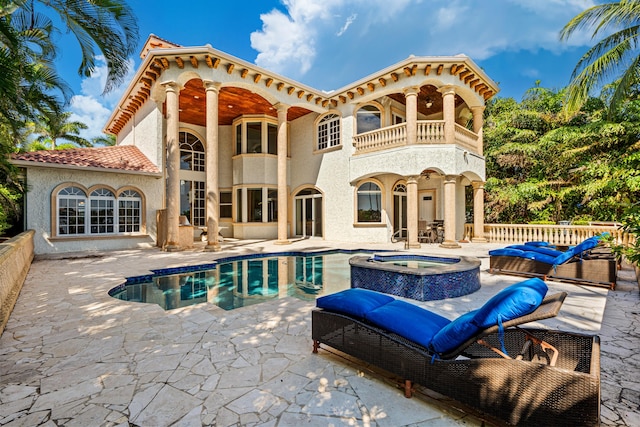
42,181
145,132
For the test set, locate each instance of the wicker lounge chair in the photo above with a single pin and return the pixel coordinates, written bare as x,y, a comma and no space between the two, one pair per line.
585,263
546,378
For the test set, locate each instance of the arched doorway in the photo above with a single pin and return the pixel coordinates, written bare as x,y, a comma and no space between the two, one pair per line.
400,210
308,213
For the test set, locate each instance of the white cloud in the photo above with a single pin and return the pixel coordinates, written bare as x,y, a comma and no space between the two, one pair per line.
285,45
305,38
347,24
93,108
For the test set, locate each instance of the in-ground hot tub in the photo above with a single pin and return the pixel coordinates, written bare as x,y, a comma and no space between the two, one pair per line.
420,277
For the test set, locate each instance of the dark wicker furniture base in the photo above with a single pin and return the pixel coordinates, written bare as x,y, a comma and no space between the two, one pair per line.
599,271
519,392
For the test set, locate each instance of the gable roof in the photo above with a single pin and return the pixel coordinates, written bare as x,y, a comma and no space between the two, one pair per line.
119,158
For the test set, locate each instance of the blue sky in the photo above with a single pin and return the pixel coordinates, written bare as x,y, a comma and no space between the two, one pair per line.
327,44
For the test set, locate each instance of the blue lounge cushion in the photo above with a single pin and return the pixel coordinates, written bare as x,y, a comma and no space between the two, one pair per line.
408,320
541,250
537,256
538,243
514,301
354,302
455,333
581,247
508,252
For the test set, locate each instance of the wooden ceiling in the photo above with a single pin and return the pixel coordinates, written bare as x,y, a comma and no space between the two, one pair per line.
232,102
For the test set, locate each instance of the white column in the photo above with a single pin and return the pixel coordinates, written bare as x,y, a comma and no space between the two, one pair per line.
283,194
411,96
478,123
478,212
412,212
172,90
212,90
449,113
450,212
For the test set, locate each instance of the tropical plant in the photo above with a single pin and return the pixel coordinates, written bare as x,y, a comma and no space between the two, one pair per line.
544,165
53,127
107,26
615,58
106,140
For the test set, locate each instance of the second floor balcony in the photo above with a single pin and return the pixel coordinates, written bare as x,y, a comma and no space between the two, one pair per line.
427,132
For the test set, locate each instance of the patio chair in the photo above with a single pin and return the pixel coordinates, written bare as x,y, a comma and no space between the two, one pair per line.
581,263
482,359
425,232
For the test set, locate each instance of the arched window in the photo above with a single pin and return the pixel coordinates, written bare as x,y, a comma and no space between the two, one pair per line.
329,131
369,202
368,118
102,214
71,212
129,212
191,153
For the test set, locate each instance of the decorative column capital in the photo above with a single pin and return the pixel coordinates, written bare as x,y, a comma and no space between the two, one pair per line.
447,90
477,185
478,109
413,179
171,86
211,85
450,179
411,91
281,107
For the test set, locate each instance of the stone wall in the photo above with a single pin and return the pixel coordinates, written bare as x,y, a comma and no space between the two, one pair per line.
16,255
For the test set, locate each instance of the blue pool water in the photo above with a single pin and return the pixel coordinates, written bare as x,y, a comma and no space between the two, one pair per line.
241,281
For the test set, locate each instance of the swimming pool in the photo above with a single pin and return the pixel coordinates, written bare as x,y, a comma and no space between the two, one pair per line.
243,280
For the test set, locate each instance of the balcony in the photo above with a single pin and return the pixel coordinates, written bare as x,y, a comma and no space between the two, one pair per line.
427,132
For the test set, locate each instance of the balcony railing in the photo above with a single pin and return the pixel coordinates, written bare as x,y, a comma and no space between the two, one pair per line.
427,132
562,235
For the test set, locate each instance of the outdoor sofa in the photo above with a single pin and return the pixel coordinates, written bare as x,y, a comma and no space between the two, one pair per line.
510,374
588,262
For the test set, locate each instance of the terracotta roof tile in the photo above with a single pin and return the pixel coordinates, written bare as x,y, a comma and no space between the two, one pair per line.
119,157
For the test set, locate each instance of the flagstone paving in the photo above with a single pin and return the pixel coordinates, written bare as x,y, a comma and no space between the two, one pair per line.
72,355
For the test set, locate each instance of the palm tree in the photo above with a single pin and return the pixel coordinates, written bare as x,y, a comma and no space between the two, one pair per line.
107,26
615,58
104,140
28,80
53,127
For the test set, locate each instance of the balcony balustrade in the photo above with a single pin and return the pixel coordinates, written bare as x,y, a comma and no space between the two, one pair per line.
561,235
427,132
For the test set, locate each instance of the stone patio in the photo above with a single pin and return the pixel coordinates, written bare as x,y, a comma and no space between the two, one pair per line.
72,355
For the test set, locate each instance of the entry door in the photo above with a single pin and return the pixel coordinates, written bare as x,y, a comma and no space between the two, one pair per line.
427,206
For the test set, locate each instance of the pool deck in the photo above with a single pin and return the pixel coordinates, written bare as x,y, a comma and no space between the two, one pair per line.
71,355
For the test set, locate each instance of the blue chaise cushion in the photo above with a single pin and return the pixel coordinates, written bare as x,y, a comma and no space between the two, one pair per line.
354,302
541,250
581,247
455,333
408,320
514,301
513,252
538,243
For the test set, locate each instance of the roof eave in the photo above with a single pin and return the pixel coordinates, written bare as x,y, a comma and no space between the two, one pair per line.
26,163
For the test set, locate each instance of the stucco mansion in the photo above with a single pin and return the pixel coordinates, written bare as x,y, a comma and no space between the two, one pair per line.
207,142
